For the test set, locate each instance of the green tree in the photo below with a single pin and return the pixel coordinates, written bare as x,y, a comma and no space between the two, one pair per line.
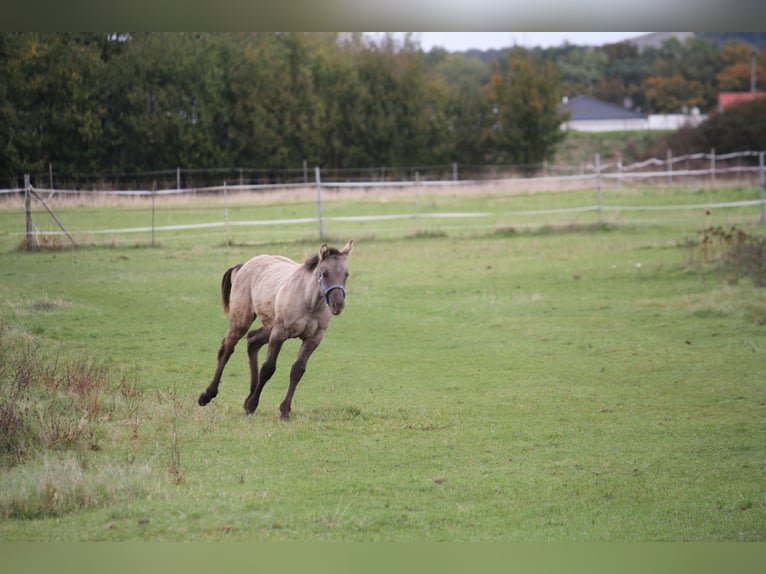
582,69
50,107
623,75
466,106
525,101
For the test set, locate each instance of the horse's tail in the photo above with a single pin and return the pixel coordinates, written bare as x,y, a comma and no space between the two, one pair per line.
226,282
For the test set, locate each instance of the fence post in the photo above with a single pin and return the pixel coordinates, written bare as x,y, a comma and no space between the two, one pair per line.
598,185
226,211
319,202
619,170
454,171
763,188
178,177
712,167
670,168
154,195
28,209
417,196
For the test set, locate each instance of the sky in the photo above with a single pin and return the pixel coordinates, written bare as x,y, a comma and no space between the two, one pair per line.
460,41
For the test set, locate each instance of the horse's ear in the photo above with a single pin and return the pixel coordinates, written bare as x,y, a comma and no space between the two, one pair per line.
349,246
323,251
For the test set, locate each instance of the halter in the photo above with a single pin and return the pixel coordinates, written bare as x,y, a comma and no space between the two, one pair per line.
327,290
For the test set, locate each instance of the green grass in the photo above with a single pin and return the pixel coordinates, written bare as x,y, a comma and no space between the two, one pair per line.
520,383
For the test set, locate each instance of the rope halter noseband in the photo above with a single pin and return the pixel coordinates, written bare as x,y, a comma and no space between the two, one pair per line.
327,290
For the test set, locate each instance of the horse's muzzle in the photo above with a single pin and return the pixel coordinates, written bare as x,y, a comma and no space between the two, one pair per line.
336,301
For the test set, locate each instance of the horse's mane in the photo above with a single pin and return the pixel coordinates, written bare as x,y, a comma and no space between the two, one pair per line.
311,262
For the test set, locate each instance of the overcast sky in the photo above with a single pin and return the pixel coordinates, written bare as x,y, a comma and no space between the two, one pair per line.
460,41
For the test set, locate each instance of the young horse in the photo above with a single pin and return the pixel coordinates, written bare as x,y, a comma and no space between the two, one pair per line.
292,300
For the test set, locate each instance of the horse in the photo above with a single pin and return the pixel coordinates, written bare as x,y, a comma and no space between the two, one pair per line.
292,300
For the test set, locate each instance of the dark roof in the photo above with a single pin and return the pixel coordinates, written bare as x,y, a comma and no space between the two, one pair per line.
588,108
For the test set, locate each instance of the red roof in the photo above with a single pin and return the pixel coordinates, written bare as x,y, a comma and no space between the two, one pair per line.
727,99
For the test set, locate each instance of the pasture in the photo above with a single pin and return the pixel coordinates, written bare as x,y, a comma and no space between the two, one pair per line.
527,378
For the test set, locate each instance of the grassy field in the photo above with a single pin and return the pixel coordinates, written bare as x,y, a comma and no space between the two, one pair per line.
509,378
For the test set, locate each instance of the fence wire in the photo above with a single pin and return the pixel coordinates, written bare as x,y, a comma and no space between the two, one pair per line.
698,169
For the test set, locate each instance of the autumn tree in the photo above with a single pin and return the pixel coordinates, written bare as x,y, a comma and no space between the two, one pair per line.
672,94
737,68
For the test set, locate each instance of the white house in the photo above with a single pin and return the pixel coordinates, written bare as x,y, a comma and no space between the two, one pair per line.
588,114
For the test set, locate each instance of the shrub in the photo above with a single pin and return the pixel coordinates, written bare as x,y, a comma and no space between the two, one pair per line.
741,127
47,405
733,251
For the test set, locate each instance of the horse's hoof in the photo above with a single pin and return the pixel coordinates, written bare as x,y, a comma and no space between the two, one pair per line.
204,399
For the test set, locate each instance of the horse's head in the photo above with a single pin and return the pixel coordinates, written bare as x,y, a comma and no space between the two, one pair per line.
332,273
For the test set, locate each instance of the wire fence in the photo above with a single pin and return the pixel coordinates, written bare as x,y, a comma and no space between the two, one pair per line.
308,190
740,166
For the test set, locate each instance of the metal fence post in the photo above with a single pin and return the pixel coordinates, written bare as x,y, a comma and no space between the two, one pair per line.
670,168
598,185
28,208
154,195
319,202
226,211
417,196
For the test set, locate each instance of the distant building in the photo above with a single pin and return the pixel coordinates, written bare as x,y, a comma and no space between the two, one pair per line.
728,99
589,114
593,115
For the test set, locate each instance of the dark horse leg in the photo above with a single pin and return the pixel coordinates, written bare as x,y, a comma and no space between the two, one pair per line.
255,340
276,340
235,333
296,372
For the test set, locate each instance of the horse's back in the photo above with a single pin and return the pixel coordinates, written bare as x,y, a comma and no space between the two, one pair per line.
258,281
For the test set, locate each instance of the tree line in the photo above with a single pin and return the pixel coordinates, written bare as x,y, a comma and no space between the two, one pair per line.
118,103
